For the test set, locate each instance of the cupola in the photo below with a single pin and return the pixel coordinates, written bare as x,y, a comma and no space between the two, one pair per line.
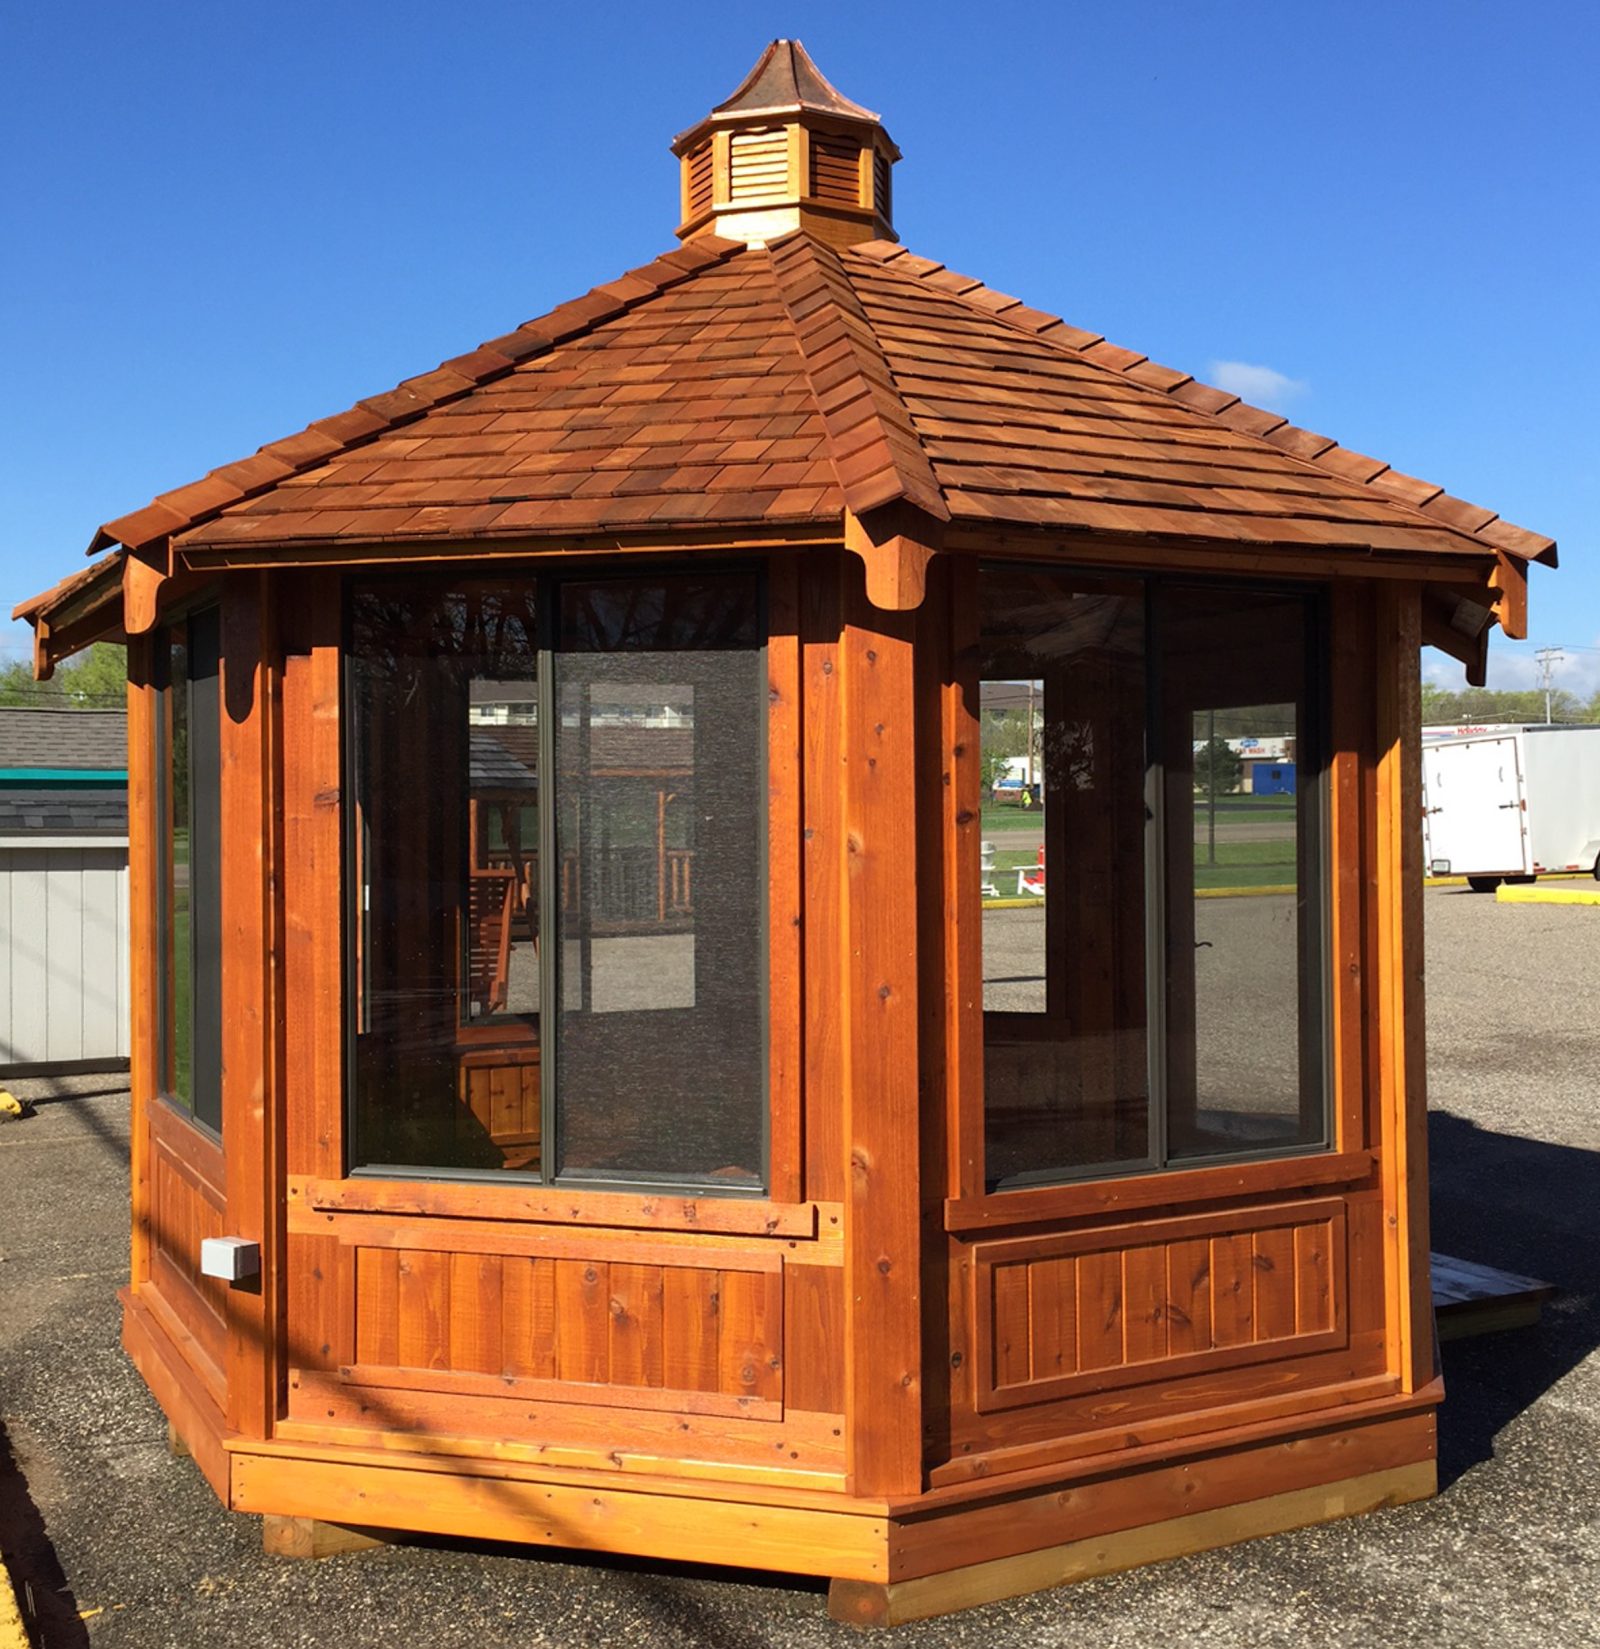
787,151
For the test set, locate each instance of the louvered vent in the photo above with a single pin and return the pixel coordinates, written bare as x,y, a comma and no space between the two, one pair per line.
758,165
882,196
700,179
835,170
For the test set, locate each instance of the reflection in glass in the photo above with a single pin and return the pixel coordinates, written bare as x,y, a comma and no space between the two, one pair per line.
444,744
1244,1013
1062,710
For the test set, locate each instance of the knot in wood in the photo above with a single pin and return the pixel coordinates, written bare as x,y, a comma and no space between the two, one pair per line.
885,1266
872,657
884,993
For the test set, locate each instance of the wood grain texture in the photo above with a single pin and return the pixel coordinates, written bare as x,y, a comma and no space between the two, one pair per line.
822,865
1402,1082
883,1357
251,998
608,1518
1105,1308
142,882
785,889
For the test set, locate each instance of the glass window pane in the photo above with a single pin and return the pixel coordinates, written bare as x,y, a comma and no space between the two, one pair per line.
1244,1004
444,750
177,962
1066,1068
205,867
660,820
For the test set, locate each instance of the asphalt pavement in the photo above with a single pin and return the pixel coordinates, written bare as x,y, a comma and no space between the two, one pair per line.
122,1546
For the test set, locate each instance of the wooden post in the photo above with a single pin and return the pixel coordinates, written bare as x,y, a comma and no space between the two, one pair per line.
251,1121
143,868
1399,991
883,1350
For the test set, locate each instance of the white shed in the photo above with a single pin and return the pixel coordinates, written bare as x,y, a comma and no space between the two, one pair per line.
63,890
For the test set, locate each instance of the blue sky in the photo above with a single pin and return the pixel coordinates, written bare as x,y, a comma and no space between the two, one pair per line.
225,221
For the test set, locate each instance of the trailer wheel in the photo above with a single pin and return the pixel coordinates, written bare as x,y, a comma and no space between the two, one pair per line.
1521,881
1483,884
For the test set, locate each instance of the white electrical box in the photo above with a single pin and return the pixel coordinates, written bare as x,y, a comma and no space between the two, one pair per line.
230,1258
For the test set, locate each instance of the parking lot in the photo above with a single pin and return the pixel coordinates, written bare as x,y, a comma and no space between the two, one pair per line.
121,1545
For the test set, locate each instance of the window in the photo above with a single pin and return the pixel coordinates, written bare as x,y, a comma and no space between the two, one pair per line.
189,879
558,957
1152,887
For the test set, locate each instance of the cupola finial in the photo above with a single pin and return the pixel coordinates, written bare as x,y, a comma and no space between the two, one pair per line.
787,151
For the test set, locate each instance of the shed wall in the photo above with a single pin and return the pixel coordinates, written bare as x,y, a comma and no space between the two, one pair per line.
63,952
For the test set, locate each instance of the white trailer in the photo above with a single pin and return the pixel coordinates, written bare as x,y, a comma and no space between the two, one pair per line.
1512,804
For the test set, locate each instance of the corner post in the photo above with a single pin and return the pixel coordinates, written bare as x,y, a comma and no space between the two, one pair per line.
144,704
251,1121
883,1328
1402,1072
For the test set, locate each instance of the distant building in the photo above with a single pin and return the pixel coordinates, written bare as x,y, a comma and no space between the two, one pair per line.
63,890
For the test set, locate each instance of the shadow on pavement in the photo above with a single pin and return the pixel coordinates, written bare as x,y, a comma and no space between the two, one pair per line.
1528,1207
48,1607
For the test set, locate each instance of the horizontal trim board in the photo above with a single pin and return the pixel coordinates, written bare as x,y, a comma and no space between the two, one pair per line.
541,1204
1041,1205
901,1601
711,1251
673,1399
546,1513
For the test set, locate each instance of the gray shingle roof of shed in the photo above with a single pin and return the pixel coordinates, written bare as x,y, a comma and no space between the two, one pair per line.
63,810
86,739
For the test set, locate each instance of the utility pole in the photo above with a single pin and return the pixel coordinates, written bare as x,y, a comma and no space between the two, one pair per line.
1548,658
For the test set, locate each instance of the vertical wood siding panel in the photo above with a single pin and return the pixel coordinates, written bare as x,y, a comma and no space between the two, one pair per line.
813,1338
1188,1296
635,1306
691,1307
1009,1331
1053,1316
1313,1309
124,965
424,1309
583,1320
1274,1261
1233,1290
104,960
1144,1302
377,1306
475,1312
1099,1289
749,1330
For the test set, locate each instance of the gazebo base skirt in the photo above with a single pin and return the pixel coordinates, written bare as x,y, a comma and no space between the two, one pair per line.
889,1560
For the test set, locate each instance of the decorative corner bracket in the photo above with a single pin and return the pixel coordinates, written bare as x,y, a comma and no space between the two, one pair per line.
895,541
1509,582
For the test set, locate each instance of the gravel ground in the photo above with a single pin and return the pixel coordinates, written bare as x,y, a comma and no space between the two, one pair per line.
105,1523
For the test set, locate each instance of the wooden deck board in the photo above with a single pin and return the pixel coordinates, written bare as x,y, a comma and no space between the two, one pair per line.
1469,1298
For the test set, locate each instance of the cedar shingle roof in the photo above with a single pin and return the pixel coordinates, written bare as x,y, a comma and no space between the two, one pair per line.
725,386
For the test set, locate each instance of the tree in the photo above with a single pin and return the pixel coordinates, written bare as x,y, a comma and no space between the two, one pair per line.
1004,734
1217,764
96,680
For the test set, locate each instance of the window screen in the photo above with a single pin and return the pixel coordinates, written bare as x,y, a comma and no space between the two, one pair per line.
557,850
444,743
659,829
189,889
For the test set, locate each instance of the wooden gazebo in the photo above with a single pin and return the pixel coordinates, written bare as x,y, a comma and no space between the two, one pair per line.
561,965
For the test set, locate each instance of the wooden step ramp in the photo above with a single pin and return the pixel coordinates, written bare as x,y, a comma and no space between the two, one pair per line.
1470,1299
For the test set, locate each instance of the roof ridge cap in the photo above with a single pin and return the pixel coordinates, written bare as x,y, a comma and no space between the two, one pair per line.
1425,499
873,444
185,507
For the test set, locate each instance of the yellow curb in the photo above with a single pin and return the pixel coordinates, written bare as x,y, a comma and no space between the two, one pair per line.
12,1633
1548,876
1012,904
1546,896
1241,892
